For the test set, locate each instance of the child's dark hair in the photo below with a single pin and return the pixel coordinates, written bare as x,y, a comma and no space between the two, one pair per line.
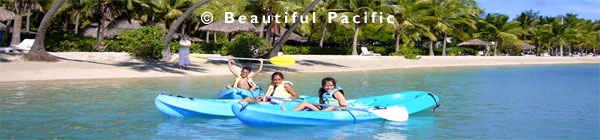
278,74
247,68
322,91
327,79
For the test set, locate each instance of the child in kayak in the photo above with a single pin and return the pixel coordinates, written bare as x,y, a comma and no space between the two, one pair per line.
278,88
242,80
329,94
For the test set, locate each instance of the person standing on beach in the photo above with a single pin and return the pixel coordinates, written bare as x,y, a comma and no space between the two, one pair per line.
184,50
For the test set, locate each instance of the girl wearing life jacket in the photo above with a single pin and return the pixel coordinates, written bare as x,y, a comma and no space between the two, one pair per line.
242,80
329,94
278,88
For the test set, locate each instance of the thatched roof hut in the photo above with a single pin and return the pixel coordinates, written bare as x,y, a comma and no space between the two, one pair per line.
293,36
473,42
236,26
191,38
2,27
525,46
6,15
112,30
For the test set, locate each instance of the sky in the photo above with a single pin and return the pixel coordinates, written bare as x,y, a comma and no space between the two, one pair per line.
586,9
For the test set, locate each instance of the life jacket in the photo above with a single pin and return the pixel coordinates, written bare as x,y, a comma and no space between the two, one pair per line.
249,80
279,91
326,97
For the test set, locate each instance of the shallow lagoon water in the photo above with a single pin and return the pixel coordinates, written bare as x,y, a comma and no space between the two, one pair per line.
500,102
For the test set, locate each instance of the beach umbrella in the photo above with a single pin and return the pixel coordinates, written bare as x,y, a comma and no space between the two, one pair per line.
236,26
473,42
525,46
6,15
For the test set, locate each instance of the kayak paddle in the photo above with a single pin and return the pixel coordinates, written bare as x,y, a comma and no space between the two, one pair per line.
277,60
393,113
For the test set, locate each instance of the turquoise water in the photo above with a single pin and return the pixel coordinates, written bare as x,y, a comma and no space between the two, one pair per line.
507,102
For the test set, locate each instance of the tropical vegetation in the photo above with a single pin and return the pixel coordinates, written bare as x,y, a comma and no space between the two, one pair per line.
419,27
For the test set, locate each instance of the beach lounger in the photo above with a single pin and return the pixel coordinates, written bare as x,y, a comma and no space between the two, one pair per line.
366,52
25,45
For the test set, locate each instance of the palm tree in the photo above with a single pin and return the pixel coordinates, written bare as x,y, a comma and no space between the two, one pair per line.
407,15
166,53
269,8
497,28
362,9
445,17
527,24
540,32
322,9
38,52
20,7
291,29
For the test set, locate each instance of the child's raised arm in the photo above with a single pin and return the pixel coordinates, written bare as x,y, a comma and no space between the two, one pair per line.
231,68
259,68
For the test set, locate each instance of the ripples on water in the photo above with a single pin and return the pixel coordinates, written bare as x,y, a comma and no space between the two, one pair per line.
547,102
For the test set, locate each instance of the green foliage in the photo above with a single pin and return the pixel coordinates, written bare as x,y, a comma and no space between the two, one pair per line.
287,49
409,52
59,41
455,51
376,33
383,50
247,45
143,42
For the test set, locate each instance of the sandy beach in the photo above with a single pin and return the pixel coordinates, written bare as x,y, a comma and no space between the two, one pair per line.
103,65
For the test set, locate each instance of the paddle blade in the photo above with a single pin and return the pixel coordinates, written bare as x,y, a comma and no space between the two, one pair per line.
394,113
283,60
197,55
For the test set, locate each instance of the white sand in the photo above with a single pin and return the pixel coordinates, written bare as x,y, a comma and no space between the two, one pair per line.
92,65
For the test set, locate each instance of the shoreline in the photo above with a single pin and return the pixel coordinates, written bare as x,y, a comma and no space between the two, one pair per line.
115,65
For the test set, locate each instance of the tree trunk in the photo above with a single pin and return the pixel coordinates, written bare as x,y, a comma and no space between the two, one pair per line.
355,40
287,33
100,33
323,34
38,52
444,47
496,48
561,50
27,21
182,31
166,52
16,34
262,28
539,48
431,48
397,42
207,36
77,23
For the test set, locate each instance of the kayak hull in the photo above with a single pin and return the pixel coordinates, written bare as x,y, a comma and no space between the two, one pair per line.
238,93
173,106
272,115
179,106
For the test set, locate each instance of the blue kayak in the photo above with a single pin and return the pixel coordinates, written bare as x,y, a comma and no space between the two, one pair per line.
238,93
272,115
179,106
